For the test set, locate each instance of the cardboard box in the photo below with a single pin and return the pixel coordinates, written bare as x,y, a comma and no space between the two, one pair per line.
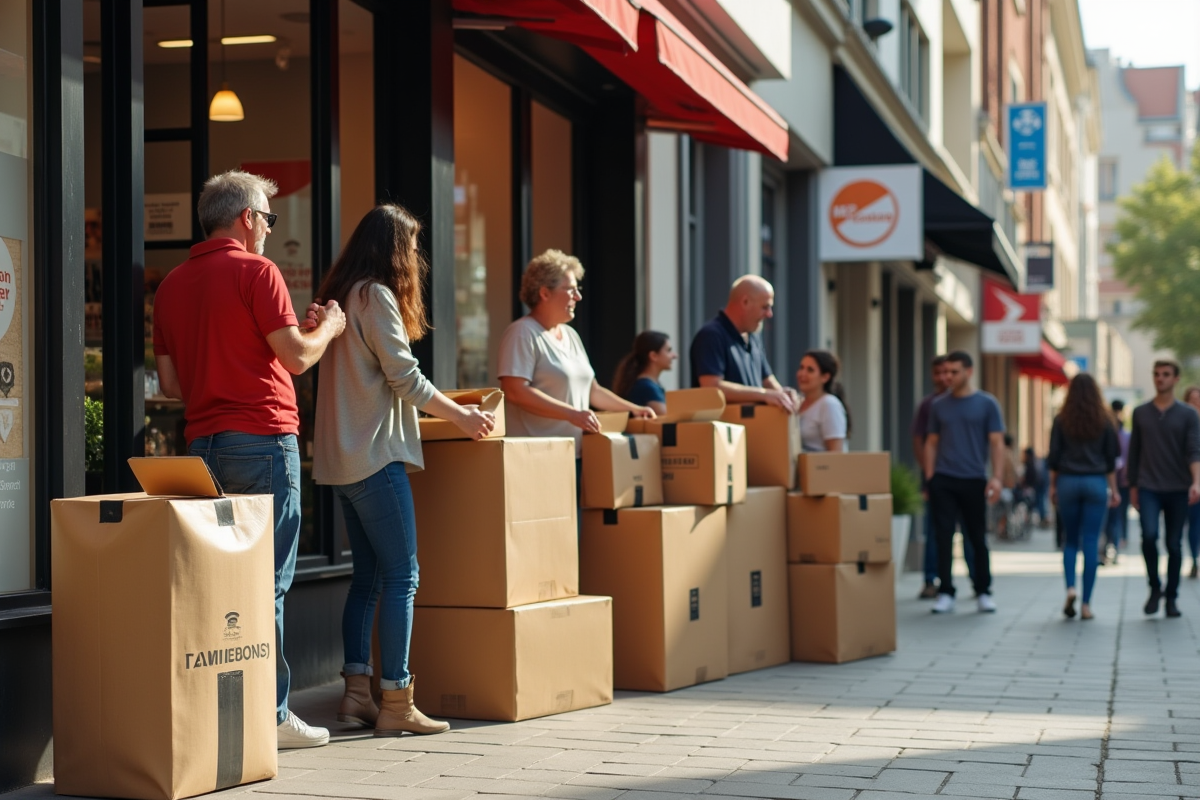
665,570
621,470
845,473
496,522
839,528
842,612
756,557
513,664
703,463
433,429
163,636
772,443
694,405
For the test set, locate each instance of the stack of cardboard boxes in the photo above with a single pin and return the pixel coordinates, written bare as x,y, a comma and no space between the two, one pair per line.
500,631
840,575
698,584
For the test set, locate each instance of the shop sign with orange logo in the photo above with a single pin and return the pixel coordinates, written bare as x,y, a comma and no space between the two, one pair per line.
871,214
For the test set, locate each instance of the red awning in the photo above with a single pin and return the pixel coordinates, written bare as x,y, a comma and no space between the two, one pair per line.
690,90
607,25
1048,365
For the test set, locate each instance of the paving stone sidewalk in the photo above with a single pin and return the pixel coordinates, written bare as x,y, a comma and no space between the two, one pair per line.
1021,704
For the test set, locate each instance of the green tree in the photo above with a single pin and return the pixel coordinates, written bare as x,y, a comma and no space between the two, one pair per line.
1158,255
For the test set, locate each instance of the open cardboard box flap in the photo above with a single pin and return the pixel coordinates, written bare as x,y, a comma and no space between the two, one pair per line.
175,476
613,421
490,399
694,405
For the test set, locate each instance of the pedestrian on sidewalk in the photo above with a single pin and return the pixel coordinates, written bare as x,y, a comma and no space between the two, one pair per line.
366,441
227,342
1191,396
824,418
1083,481
965,432
637,374
1116,526
1164,478
918,431
727,351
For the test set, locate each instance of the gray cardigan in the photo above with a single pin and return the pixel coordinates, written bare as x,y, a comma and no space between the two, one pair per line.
368,394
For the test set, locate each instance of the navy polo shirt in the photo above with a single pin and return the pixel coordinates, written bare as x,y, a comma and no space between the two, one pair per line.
719,349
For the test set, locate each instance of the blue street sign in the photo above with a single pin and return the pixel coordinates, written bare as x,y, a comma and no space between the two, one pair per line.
1027,147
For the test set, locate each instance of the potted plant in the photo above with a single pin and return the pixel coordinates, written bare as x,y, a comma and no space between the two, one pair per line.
93,445
906,503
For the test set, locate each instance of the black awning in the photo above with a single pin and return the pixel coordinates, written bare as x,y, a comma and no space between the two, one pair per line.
952,224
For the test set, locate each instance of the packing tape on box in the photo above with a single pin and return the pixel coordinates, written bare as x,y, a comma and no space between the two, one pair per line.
639,497
668,434
747,411
610,516
862,502
633,451
111,511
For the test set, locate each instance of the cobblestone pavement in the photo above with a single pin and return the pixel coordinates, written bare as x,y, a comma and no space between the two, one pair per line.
1021,704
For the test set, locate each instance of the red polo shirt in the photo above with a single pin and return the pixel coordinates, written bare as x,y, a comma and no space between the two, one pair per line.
212,315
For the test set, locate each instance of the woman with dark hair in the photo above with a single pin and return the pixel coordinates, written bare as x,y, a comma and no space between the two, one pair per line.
1083,481
824,419
636,377
366,442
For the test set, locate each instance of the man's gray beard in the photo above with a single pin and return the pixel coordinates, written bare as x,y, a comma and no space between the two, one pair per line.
260,245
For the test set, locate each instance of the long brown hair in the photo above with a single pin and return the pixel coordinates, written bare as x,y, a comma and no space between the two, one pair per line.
828,364
1084,415
380,251
635,361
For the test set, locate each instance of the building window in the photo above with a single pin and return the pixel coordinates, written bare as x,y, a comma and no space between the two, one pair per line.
1162,133
1108,179
16,312
914,62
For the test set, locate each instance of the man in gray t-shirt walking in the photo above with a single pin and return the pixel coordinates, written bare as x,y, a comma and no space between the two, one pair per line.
965,429
1164,478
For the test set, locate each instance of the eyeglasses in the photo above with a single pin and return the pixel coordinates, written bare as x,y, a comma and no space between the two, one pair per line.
270,218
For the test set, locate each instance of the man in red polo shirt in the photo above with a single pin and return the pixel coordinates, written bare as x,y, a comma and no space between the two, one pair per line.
227,342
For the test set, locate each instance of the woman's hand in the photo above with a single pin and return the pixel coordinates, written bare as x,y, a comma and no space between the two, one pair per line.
1114,498
475,423
1054,495
585,420
643,412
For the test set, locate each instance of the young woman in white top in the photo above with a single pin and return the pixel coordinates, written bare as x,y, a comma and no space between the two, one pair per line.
824,421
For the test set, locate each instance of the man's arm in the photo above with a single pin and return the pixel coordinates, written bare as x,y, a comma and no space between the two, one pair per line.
996,482
298,350
168,378
740,393
931,446
919,453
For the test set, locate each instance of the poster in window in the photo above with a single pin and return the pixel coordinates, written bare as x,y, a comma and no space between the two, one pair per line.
11,351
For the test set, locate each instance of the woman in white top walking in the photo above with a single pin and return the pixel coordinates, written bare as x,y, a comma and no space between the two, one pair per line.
824,420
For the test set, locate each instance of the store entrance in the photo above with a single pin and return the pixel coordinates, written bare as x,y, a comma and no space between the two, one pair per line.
299,109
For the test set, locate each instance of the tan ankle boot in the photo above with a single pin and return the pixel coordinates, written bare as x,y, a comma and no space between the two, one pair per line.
357,705
398,715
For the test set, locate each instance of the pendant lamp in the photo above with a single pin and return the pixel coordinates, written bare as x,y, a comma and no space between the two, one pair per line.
225,105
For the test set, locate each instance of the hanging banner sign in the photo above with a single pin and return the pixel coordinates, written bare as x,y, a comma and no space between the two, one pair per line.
1012,323
872,214
1027,147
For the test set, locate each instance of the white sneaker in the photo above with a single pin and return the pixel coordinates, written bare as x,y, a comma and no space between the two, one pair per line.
986,604
294,733
944,604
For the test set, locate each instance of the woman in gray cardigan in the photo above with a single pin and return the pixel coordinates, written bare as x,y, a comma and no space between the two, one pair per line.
365,444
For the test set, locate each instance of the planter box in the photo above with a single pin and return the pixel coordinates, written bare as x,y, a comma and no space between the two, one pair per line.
901,531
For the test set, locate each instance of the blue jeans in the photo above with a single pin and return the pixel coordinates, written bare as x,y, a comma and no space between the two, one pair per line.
247,463
1193,532
1173,506
1117,524
1082,504
382,528
931,564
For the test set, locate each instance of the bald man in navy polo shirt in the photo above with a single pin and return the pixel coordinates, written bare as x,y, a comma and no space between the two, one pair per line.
727,352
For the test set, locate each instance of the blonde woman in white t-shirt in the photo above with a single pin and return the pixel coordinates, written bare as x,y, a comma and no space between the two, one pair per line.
824,420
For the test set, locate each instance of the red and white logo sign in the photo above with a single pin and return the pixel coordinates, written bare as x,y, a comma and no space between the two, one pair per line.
1012,323
871,214
864,213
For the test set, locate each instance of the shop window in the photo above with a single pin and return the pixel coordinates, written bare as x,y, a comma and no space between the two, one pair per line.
483,219
16,311
1108,179
769,243
356,113
551,179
